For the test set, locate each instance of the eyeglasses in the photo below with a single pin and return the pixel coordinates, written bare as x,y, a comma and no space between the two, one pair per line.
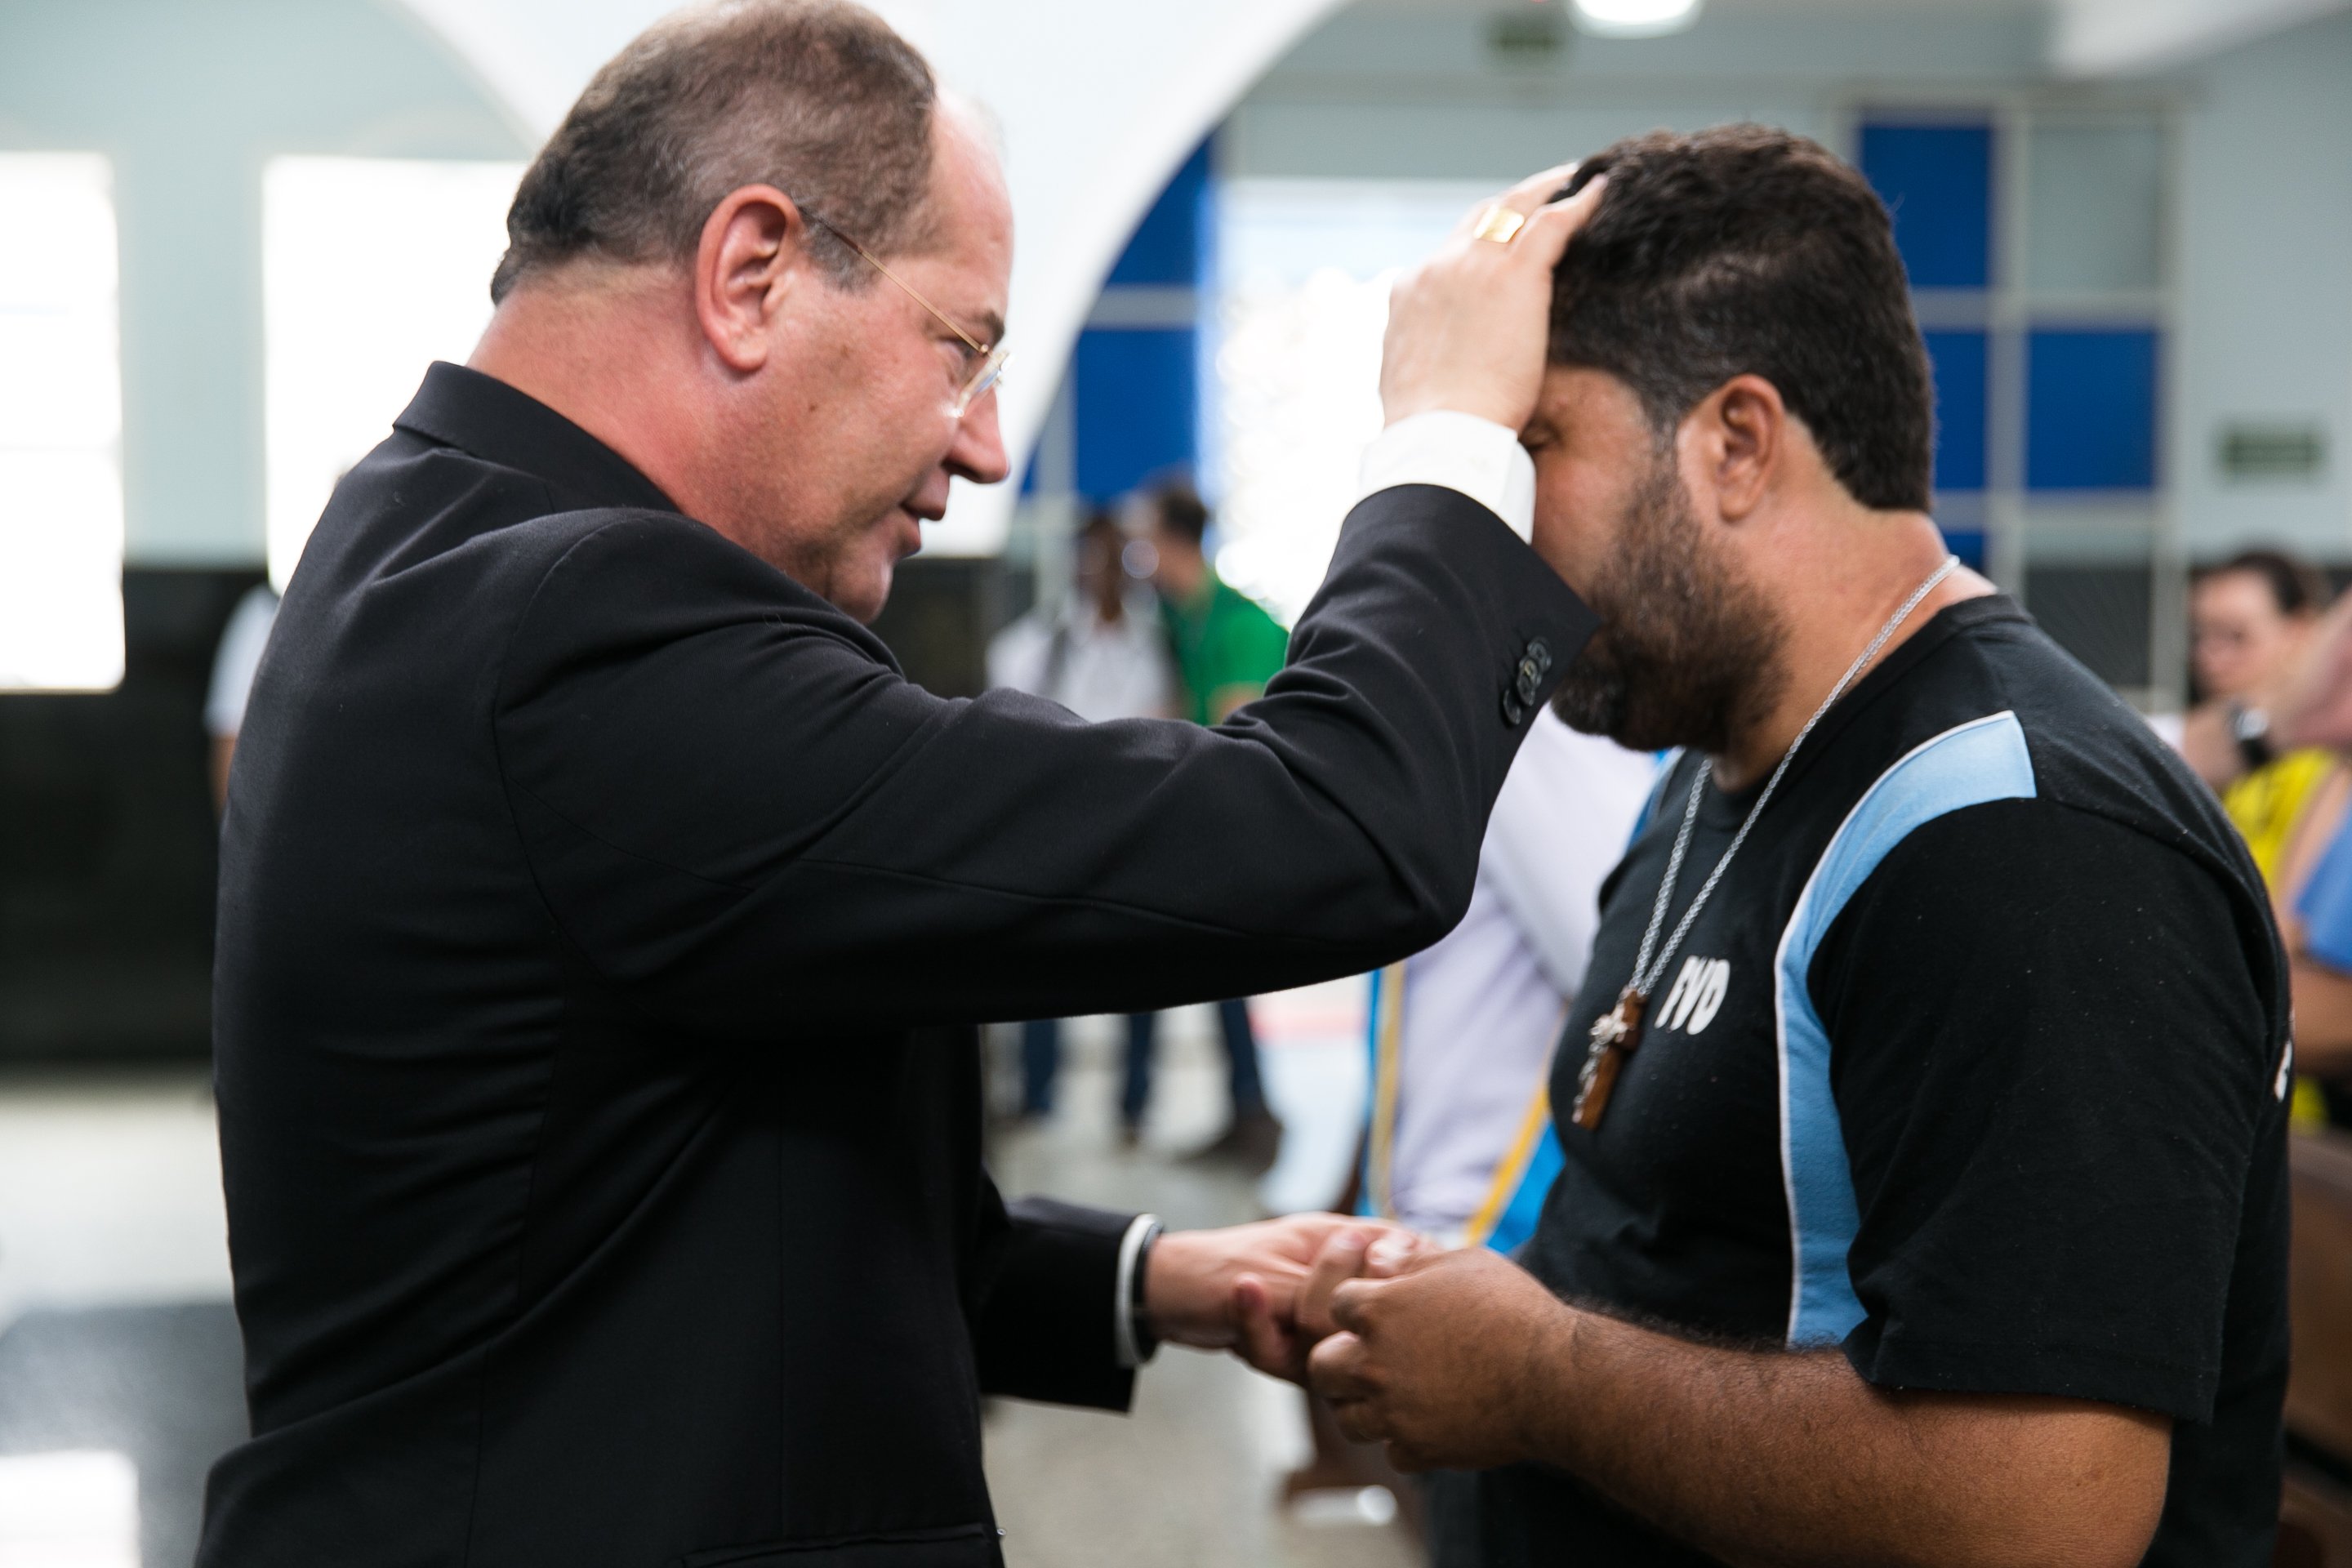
987,362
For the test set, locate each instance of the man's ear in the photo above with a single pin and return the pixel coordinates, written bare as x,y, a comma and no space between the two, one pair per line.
1743,439
754,245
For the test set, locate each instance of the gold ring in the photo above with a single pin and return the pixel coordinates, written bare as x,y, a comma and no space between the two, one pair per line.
1499,224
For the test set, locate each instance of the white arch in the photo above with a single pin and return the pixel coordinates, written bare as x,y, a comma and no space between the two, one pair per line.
1098,104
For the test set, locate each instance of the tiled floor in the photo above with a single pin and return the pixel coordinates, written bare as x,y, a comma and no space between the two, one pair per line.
109,1190
119,1338
116,1336
1190,1478
157,1385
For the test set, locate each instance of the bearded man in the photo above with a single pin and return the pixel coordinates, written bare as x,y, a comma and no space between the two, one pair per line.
1922,1114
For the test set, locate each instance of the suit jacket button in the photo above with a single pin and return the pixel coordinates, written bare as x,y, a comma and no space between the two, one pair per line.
1514,712
1534,663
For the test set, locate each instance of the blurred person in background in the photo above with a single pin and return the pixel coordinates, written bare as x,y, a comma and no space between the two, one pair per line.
234,663
2313,891
1226,647
1101,654
2250,620
1458,1139
2313,899
2254,623
1458,1143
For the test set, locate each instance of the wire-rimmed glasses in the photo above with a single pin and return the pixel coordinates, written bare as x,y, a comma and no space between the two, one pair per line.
988,361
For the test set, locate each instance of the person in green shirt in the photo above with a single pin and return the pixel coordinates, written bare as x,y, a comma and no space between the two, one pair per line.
1226,646
1226,650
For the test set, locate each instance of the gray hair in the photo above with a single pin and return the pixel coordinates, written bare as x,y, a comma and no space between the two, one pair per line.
818,97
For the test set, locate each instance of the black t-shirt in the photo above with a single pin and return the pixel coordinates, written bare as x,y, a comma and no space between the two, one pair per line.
1974,1064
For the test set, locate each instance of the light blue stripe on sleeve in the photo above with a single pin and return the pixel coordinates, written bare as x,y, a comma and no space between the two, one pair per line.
1984,759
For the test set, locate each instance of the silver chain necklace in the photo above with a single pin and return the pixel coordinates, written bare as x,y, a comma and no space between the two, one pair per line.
1616,1032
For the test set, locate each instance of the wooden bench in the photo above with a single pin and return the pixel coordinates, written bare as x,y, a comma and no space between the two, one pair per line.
2316,1513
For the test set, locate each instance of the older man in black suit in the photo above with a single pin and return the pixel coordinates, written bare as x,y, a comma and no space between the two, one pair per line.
603,917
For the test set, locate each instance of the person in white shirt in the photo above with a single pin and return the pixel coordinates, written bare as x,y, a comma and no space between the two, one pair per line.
1461,1033
1099,653
234,666
1102,655
1458,1143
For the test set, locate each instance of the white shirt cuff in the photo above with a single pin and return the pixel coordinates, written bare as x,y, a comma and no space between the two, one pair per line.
1123,1303
1462,452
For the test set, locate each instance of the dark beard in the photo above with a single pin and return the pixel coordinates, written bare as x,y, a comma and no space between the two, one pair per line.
1687,653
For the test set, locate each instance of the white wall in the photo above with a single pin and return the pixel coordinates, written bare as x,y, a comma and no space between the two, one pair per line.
2266,261
1382,89
1388,93
189,101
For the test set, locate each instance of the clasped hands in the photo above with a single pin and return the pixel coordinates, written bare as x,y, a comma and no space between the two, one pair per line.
1438,1352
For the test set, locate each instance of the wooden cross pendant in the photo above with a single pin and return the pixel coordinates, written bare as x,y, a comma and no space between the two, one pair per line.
1615,1036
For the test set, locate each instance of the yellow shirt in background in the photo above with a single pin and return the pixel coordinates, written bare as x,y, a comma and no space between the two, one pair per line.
2267,804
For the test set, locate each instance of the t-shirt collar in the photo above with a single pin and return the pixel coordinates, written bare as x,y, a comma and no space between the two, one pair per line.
1721,810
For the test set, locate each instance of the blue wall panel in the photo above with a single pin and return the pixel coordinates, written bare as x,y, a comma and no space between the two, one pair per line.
1171,246
1136,389
1937,182
1958,359
1969,545
1138,397
2090,422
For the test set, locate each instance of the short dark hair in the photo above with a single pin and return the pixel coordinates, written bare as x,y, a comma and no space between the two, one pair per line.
2296,586
1178,507
1748,250
818,97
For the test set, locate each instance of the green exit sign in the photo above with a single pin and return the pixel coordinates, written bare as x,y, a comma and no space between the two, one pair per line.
1530,36
2272,451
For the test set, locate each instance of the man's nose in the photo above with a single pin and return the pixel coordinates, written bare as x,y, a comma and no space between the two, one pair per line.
978,454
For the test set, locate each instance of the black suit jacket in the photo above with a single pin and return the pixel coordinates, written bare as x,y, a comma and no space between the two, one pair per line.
603,921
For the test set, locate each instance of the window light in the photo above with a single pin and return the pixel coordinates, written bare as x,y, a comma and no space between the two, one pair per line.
61,426
1635,18
69,1508
1304,270
372,269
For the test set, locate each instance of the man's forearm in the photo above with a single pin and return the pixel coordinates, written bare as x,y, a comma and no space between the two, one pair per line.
1766,1458
2323,1018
